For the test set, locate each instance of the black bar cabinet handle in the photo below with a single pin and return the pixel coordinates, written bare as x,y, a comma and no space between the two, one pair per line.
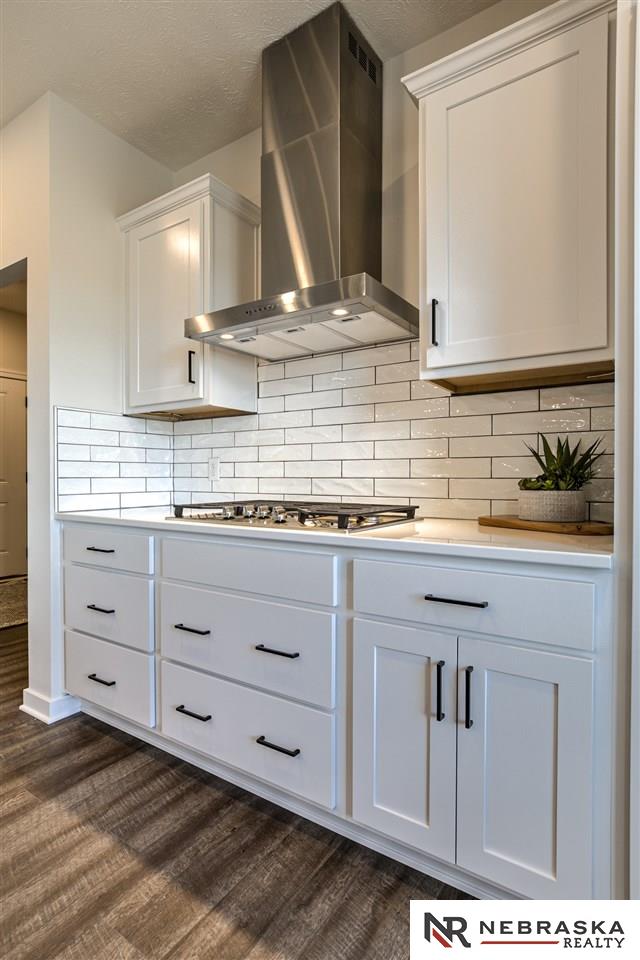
192,354
92,606
274,746
439,710
201,633
481,604
468,722
434,304
97,679
189,713
278,653
99,550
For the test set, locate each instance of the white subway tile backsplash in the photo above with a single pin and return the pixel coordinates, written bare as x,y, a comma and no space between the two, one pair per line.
412,488
547,421
513,402
349,488
361,414
313,468
451,427
375,468
73,418
321,364
107,421
393,430
108,438
358,450
73,451
411,448
281,388
352,426
358,377
478,467
381,393
585,395
313,401
373,356
413,409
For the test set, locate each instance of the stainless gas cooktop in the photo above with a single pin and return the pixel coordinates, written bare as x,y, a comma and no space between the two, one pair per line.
312,515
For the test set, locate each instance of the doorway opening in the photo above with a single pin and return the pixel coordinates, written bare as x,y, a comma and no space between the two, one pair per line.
13,445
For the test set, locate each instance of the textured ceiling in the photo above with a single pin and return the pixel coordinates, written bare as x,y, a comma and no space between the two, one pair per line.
178,78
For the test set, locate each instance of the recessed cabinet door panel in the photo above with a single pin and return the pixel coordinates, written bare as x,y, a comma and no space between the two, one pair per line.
524,769
515,204
166,285
404,757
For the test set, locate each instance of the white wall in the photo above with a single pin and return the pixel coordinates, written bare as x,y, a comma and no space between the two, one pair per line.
63,179
238,164
95,176
13,342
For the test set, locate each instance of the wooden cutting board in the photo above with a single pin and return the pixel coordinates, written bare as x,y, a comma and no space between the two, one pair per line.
589,528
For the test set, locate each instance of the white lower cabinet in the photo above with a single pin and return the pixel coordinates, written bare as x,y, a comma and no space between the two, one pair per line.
404,776
516,739
285,743
525,769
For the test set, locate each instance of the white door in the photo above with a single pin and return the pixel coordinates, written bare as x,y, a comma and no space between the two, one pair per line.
13,477
515,207
525,769
404,747
166,285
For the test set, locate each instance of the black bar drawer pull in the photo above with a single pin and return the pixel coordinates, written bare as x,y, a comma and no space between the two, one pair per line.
97,679
99,550
192,354
274,746
481,604
439,710
434,304
201,633
189,713
278,653
92,606
468,722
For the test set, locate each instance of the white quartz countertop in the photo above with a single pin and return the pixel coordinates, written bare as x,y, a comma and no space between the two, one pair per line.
459,538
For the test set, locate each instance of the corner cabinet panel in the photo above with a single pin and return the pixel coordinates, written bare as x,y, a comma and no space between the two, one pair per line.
166,285
404,756
525,769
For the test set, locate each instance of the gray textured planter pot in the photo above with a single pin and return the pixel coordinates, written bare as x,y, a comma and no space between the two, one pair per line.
550,506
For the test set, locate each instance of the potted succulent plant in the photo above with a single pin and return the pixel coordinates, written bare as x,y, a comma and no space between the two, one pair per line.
557,494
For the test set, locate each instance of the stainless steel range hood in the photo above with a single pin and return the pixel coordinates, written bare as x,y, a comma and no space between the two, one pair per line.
321,178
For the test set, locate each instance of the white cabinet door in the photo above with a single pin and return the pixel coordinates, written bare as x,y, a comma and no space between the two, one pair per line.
514,205
525,769
166,285
404,756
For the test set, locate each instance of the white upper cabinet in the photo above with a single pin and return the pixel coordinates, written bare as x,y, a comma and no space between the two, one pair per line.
513,198
189,252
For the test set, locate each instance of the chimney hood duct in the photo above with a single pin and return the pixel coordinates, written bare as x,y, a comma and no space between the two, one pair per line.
321,179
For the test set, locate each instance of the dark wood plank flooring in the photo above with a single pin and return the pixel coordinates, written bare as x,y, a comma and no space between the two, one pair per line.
113,850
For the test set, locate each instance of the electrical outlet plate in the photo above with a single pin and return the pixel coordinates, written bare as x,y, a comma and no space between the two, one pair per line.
214,468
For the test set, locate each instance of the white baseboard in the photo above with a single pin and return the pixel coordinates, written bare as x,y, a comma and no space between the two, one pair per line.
48,709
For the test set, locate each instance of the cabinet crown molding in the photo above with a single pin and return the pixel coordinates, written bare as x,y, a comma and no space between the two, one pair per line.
203,187
540,26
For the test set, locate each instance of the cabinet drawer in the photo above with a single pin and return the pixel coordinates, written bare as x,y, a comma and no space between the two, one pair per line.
529,608
232,718
105,547
127,674
111,605
309,577
285,649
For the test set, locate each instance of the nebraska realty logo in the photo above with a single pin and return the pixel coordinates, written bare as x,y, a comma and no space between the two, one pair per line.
522,927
